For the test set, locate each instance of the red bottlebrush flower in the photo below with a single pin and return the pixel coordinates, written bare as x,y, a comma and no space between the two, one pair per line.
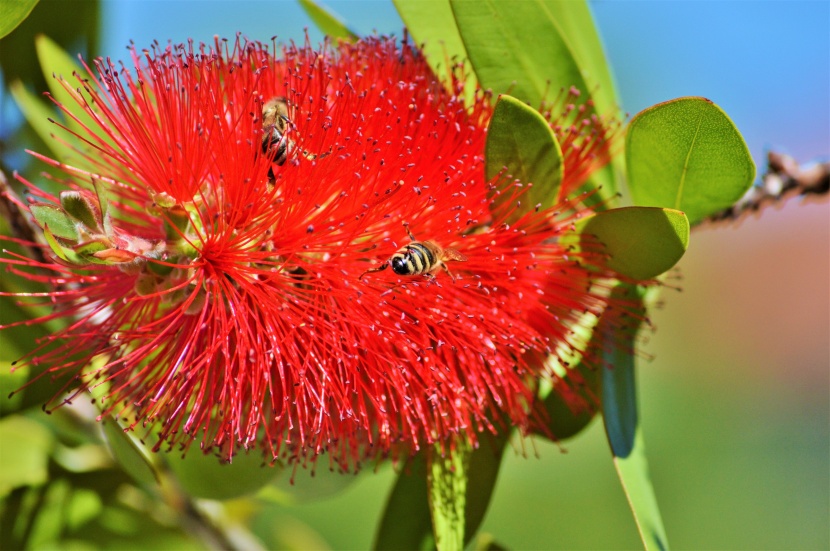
584,136
220,268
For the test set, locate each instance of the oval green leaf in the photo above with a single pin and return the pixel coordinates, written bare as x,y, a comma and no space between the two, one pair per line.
81,207
327,22
642,242
57,65
570,409
563,422
125,451
534,48
406,523
75,23
88,249
574,20
37,114
59,223
482,473
577,25
439,24
687,154
207,476
432,25
62,252
520,142
619,408
13,13
312,484
23,388
517,47
26,464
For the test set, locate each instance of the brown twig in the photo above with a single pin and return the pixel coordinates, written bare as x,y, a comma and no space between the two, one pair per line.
784,179
20,225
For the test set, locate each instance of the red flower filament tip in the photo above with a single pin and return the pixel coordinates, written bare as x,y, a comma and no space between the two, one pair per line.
219,258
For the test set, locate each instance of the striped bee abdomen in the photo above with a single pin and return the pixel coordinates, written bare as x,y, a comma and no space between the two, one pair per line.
419,258
275,145
413,259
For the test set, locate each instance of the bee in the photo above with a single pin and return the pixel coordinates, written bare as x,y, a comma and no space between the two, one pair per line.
275,125
419,257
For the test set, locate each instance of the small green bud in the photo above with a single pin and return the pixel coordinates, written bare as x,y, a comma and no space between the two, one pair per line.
82,206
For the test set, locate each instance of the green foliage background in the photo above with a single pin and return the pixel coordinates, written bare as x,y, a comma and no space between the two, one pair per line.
734,407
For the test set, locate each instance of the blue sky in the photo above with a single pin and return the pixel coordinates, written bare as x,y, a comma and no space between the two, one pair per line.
766,63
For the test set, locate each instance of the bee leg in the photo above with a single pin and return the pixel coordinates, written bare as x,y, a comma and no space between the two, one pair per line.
409,233
444,266
313,156
378,269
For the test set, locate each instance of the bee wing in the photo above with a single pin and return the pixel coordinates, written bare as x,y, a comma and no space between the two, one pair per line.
452,254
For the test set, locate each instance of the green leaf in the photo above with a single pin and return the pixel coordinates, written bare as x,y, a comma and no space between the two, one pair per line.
209,477
687,154
25,459
12,14
82,506
573,19
406,522
572,406
15,342
327,22
518,47
37,114
10,379
81,205
447,478
619,408
58,65
488,543
432,25
102,193
59,223
563,421
641,242
312,484
520,140
67,23
60,251
125,451
534,48
482,473
88,249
